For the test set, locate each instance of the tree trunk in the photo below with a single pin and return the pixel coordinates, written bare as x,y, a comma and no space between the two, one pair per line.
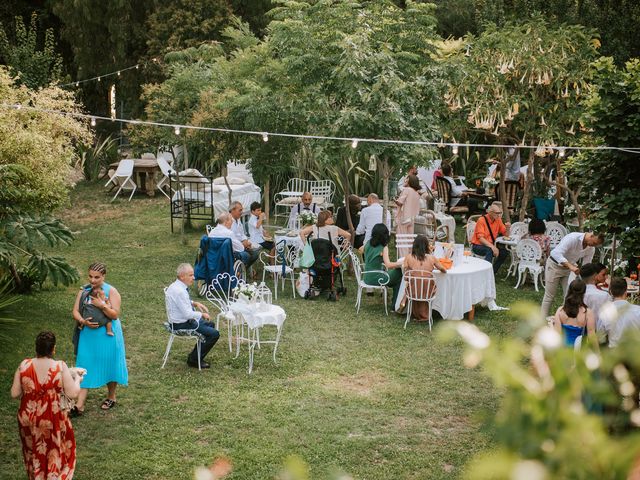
226,182
267,190
347,191
506,216
183,239
185,155
385,189
527,184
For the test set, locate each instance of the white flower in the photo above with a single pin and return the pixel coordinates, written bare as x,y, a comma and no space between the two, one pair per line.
529,470
473,336
548,338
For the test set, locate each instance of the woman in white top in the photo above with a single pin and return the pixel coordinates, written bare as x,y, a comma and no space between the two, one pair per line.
324,228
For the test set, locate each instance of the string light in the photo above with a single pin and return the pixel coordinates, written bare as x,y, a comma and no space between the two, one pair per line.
100,77
265,137
454,149
384,141
93,121
561,152
118,72
354,143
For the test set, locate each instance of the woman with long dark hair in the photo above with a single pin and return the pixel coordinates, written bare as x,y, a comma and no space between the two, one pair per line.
574,318
376,255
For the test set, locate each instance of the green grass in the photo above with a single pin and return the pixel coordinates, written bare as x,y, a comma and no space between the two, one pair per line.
352,393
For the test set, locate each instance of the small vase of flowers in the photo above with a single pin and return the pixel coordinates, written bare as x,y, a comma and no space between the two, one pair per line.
307,218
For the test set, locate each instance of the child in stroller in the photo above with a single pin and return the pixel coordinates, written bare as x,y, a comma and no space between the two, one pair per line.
323,271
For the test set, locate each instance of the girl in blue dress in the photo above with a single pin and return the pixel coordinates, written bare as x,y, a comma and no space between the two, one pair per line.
574,319
102,355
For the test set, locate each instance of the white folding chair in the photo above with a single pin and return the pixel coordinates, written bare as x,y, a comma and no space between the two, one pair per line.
518,230
382,282
280,266
420,286
557,232
189,334
219,294
529,253
404,243
123,177
166,170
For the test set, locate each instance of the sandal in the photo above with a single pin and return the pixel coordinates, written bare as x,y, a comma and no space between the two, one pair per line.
108,404
75,412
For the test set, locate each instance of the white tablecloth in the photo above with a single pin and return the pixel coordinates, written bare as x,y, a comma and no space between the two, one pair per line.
256,315
245,194
463,286
289,241
443,219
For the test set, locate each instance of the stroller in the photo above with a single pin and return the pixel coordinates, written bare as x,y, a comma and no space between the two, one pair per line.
323,272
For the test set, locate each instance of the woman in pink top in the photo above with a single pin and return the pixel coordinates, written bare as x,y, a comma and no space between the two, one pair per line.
408,205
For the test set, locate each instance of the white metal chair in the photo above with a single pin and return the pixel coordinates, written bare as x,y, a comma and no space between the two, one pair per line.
188,334
285,199
420,286
518,230
123,177
557,232
166,170
529,254
220,295
322,192
280,266
404,243
382,282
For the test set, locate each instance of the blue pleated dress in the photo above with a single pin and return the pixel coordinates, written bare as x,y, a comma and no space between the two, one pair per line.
102,355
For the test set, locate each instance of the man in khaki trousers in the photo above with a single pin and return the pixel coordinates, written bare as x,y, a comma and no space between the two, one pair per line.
573,248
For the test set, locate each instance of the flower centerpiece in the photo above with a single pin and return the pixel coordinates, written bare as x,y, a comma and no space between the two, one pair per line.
489,184
246,292
620,267
307,218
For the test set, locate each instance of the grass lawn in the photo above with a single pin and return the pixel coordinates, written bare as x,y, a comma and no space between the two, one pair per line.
351,393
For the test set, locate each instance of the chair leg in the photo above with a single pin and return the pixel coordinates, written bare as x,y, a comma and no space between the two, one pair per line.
277,342
406,322
519,278
117,192
535,275
430,316
133,191
199,350
358,299
275,284
384,292
166,352
293,284
229,334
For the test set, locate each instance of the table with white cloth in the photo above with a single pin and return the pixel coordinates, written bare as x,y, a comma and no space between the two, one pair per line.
289,240
466,284
217,196
254,316
441,218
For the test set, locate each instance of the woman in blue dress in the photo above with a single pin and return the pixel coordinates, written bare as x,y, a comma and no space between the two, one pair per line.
99,352
574,319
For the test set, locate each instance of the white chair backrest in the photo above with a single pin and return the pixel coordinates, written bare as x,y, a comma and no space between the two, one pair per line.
297,185
471,227
557,232
420,285
208,228
529,252
404,241
219,292
519,229
165,168
125,168
322,188
357,268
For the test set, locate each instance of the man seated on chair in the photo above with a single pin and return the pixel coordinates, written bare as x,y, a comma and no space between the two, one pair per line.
594,274
488,229
370,216
224,222
624,317
257,234
459,191
305,205
235,210
184,314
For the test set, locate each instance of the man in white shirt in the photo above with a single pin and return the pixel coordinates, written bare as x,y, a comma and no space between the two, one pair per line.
458,188
238,231
573,248
620,317
256,229
305,205
594,274
184,314
371,216
224,222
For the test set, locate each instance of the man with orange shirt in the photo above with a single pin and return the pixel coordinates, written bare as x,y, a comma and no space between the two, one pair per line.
488,228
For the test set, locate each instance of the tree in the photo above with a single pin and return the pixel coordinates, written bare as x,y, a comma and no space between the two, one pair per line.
522,84
31,66
610,179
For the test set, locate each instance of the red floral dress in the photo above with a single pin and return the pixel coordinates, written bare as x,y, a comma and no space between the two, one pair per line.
48,443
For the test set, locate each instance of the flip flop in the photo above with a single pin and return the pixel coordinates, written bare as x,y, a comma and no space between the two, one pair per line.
108,404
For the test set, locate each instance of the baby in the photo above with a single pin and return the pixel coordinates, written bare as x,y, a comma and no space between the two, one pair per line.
91,312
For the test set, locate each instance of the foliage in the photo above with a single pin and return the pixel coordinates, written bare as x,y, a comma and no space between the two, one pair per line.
545,427
33,67
22,233
6,301
176,25
610,179
456,18
94,158
42,142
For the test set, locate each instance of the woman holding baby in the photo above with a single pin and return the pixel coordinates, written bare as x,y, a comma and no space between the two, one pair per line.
100,349
48,443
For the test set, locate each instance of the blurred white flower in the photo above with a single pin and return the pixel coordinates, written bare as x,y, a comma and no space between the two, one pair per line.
627,389
473,336
471,359
621,373
529,470
548,338
592,361
608,313
635,418
203,473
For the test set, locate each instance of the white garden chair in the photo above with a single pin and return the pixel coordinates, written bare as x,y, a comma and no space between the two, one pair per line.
166,170
220,295
322,192
517,231
280,266
529,254
123,177
420,286
404,243
381,285
557,232
188,334
286,199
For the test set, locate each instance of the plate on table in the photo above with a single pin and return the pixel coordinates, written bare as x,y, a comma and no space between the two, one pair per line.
292,234
281,232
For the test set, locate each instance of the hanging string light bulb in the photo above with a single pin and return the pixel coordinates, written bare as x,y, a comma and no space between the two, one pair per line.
561,152
93,121
454,149
99,79
373,163
176,130
354,143
265,137
118,72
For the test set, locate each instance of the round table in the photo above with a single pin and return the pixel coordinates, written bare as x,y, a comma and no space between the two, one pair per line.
464,285
289,240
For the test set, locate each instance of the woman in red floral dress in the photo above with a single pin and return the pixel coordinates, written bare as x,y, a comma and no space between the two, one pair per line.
48,444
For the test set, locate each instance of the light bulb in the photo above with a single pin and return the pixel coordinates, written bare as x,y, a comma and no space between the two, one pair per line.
118,73
99,79
454,149
77,84
93,121
265,137
176,130
137,67
354,143
561,152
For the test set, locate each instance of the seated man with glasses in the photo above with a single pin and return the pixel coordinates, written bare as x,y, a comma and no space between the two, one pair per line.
488,228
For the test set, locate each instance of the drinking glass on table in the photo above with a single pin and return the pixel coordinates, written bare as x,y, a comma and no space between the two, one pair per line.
467,254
